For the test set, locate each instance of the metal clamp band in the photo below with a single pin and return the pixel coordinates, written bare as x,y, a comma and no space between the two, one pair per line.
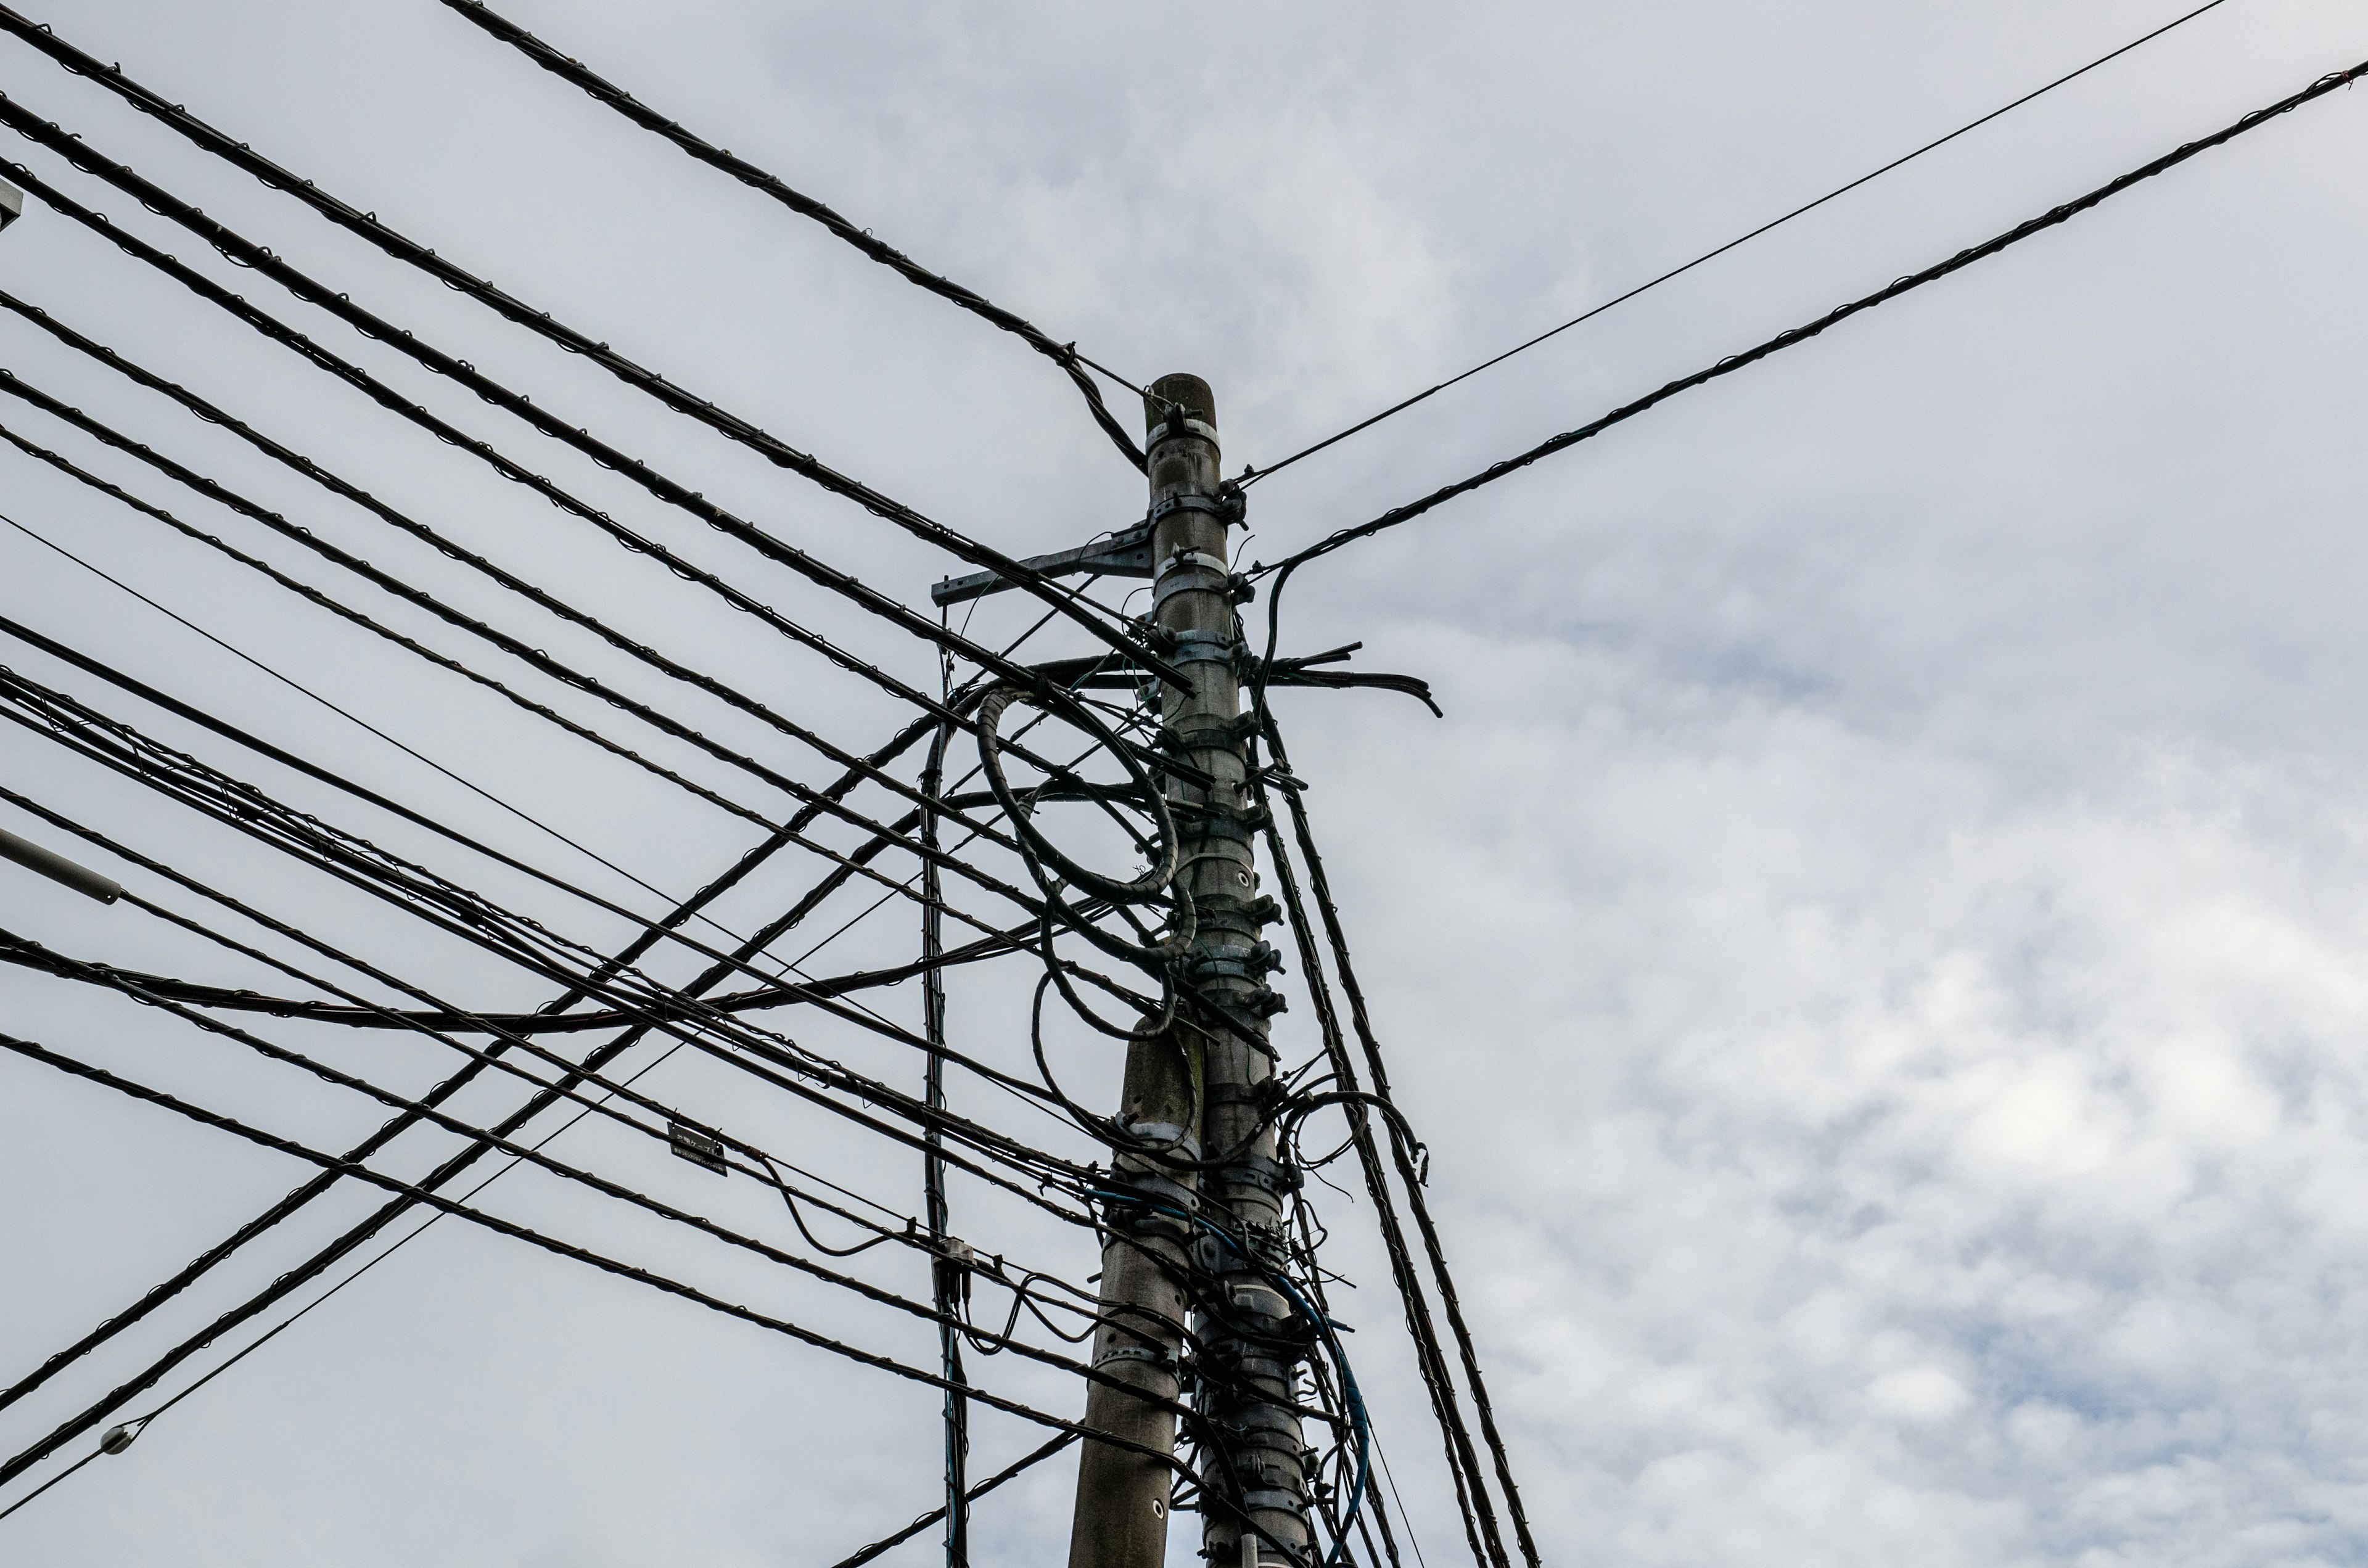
1167,430
1157,1355
1195,502
1206,648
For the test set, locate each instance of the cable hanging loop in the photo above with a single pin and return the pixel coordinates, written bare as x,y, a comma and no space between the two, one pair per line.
1141,889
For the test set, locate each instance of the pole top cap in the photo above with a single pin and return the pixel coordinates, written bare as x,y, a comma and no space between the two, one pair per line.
1191,392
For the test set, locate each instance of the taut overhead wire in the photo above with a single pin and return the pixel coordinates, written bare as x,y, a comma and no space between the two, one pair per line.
572,70
543,325
1728,366
1252,476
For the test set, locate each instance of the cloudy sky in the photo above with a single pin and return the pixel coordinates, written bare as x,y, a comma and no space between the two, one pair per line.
1875,944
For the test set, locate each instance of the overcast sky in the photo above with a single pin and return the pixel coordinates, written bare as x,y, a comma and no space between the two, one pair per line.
1875,944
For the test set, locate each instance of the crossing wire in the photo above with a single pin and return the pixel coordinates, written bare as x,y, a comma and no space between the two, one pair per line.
421,1193
339,606
478,921
1252,475
1783,340
780,838
214,413
571,70
387,397
541,322
17,386
607,1187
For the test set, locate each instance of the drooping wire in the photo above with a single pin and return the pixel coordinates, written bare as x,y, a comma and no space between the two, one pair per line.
1252,475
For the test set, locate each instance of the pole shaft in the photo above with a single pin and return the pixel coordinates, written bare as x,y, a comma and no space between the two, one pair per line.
1251,1459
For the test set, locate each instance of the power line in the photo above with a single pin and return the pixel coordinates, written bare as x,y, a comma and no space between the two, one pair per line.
474,919
771,934
214,413
731,878
541,322
57,708
301,689
387,397
417,1193
569,69
581,1177
339,606
15,386
1734,362
1251,476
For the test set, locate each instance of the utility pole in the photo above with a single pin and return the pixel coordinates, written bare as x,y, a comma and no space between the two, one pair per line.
1254,1464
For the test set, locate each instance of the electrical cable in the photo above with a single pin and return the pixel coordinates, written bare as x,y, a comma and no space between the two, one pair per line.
337,607
418,1194
387,397
253,812
1462,1461
1251,476
1783,340
806,794
675,670
575,72
932,1518
541,322
756,856
1320,885
301,689
602,1185
137,1426
747,863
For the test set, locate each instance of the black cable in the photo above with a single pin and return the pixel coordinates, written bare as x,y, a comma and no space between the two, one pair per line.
475,920
1251,476
934,1515
1320,885
27,953
1783,340
220,998
56,707
389,397
338,607
672,669
137,1426
301,689
14,948
412,1192
602,1185
731,878
539,322
1431,1360
13,385
573,71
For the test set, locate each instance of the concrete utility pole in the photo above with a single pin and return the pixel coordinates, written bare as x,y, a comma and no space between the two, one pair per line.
1245,1384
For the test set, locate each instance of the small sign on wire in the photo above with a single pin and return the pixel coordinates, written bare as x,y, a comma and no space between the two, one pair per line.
698,1148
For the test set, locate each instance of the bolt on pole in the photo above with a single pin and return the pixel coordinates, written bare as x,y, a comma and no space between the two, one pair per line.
1251,1454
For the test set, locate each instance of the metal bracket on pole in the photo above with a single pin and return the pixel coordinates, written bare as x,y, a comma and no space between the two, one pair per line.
12,204
1126,553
